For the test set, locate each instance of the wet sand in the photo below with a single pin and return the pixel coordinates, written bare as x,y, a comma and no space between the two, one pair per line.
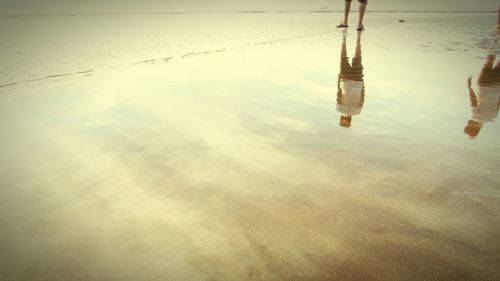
217,153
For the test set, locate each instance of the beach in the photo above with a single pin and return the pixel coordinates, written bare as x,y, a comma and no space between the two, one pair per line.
213,147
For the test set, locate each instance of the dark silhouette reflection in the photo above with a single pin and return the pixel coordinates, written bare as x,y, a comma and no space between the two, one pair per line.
485,101
350,84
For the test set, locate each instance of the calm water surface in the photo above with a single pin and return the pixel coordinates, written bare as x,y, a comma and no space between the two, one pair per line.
249,147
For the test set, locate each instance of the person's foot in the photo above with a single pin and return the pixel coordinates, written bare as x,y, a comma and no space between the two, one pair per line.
342,25
360,28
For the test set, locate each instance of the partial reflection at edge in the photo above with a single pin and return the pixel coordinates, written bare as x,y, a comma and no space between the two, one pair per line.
485,102
350,84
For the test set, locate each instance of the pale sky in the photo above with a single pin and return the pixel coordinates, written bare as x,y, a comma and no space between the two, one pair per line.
23,6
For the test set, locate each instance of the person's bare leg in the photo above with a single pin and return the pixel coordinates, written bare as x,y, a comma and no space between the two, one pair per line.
362,10
498,20
347,9
343,53
357,54
343,66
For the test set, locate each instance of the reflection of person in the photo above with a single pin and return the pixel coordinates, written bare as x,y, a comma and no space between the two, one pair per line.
350,84
362,10
498,19
485,102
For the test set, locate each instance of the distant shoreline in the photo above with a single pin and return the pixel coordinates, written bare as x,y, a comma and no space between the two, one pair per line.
218,12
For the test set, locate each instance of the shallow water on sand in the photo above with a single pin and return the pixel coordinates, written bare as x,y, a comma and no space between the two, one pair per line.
161,148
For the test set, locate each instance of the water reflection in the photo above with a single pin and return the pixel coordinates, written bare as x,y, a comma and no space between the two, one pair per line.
485,101
350,84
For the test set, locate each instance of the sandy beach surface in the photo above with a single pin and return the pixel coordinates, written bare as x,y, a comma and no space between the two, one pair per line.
210,147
